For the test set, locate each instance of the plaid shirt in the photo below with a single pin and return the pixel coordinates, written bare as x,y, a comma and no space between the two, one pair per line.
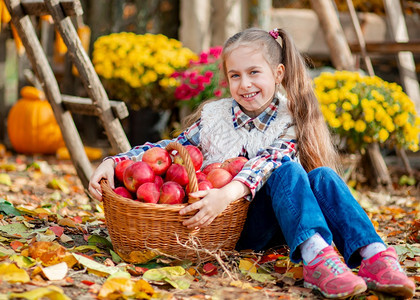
259,168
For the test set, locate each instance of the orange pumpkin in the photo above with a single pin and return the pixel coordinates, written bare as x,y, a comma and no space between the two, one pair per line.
31,124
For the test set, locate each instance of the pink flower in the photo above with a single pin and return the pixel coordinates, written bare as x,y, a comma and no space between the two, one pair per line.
218,93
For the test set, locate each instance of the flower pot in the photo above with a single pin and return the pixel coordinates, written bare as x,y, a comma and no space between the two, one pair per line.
146,125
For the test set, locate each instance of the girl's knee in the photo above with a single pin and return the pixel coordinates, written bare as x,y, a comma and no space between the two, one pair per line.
322,173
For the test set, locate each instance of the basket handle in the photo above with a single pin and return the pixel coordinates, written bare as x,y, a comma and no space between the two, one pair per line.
193,184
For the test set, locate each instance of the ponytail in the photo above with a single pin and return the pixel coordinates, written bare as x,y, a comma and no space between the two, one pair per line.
315,148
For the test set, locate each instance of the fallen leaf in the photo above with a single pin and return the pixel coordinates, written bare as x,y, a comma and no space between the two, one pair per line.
58,230
8,208
22,261
95,267
115,288
16,245
209,269
243,285
246,265
175,276
49,292
11,273
87,282
50,253
5,179
59,184
56,272
67,222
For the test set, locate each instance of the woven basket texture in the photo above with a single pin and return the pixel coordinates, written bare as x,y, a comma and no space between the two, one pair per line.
136,227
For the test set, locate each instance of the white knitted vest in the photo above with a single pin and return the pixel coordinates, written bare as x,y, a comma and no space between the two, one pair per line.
219,140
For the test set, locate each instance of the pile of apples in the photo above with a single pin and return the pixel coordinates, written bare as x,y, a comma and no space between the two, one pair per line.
161,177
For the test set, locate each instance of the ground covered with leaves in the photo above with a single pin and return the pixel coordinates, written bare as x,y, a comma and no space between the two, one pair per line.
54,245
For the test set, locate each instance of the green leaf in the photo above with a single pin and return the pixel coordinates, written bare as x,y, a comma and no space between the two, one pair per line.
96,239
15,230
8,208
407,250
261,277
59,184
175,276
95,266
115,257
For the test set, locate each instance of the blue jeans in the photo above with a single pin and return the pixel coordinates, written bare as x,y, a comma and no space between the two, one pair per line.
293,205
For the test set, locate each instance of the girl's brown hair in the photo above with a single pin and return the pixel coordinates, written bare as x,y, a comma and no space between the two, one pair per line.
315,147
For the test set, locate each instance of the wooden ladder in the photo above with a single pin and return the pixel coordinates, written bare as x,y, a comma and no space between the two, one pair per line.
98,104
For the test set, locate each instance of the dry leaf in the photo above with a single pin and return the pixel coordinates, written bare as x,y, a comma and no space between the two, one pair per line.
11,273
56,272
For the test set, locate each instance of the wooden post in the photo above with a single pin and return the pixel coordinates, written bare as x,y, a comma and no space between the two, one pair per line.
341,56
264,14
88,76
195,31
360,39
405,59
46,77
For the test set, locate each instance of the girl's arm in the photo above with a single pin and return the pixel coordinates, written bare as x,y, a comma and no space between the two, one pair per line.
191,136
252,177
257,170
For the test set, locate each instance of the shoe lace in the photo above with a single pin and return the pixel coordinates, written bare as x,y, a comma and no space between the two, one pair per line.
335,264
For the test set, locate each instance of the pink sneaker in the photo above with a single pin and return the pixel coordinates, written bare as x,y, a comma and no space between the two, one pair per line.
382,272
329,275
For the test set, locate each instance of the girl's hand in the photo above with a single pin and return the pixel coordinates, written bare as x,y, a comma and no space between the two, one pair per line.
213,203
104,170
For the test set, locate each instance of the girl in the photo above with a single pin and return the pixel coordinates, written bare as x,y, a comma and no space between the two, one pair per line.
296,194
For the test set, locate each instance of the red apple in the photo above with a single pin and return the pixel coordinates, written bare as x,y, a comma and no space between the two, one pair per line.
200,176
219,177
210,167
158,159
226,163
236,165
137,174
204,185
148,192
120,168
159,181
122,191
195,154
171,192
178,174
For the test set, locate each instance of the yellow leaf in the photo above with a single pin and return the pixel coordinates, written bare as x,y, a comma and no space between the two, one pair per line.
138,257
143,286
59,184
50,292
5,179
22,261
67,222
243,285
246,266
12,274
115,288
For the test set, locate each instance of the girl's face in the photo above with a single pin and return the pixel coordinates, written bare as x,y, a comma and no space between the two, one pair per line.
252,81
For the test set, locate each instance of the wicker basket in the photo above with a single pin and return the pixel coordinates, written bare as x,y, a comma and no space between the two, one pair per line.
136,227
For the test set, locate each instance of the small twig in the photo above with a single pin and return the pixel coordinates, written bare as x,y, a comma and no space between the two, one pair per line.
198,248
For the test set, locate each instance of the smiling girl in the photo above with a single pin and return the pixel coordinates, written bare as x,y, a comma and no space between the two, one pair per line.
297,197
